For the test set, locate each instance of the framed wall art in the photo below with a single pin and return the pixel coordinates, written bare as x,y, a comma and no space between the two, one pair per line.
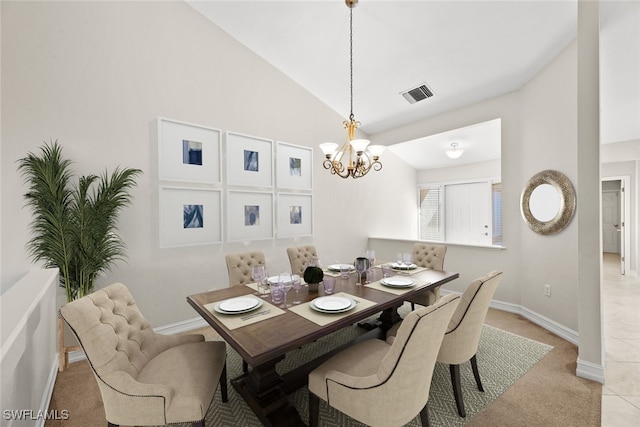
190,216
250,215
294,166
188,152
294,215
249,160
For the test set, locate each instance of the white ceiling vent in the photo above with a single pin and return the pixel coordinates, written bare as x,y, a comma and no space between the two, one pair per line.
418,93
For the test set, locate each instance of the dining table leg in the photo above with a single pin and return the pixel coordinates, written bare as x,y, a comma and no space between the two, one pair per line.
261,388
385,321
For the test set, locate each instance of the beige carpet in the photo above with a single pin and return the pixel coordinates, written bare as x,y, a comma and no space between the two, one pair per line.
548,394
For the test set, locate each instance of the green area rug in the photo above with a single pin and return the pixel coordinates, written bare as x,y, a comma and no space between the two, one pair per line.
503,358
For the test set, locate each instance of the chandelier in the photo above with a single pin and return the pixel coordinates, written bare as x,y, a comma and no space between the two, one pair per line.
355,158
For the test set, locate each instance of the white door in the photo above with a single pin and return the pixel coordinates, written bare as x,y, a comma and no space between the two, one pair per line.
611,221
468,213
621,228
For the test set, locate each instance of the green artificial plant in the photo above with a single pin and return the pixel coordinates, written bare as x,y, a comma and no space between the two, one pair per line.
74,223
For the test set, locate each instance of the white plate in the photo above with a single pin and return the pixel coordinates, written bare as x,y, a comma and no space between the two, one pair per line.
397,282
238,305
338,267
332,304
397,266
274,279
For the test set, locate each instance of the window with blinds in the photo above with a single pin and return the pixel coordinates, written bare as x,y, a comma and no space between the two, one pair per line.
496,212
433,214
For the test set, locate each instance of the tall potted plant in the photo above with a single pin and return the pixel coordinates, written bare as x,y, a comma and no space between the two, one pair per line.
74,222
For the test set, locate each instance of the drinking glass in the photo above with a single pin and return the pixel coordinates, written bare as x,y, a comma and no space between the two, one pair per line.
386,270
371,256
277,293
345,269
286,282
258,274
407,259
399,257
297,284
361,264
329,284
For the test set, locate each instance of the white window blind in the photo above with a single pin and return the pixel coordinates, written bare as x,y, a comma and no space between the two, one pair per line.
431,227
496,203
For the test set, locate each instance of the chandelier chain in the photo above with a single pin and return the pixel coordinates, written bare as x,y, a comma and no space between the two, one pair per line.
351,116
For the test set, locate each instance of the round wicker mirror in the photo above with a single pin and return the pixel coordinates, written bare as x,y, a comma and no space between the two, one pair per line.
536,202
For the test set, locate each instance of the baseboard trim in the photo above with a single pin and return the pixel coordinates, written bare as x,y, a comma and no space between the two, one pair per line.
542,321
550,325
48,391
590,371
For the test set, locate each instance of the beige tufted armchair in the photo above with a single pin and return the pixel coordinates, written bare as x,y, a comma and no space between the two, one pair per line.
300,257
429,256
145,378
239,266
383,384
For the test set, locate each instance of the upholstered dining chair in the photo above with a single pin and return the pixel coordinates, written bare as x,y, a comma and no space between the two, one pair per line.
300,257
429,256
239,266
145,378
460,343
383,384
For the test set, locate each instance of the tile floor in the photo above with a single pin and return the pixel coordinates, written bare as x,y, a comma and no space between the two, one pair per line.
621,315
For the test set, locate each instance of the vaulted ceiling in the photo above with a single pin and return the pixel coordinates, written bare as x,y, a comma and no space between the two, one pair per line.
464,51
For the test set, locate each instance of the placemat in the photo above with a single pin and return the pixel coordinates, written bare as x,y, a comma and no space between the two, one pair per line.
332,273
325,318
328,272
410,272
396,291
235,321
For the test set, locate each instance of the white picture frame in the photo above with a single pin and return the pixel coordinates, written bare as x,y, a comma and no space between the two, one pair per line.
189,152
294,166
250,215
249,160
190,216
294,215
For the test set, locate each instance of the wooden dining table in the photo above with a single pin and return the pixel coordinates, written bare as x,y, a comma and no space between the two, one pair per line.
264,343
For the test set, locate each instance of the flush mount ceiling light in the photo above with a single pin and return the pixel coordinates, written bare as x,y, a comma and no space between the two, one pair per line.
454,152
355,158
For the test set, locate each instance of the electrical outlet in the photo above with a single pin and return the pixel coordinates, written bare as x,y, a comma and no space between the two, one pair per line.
547,290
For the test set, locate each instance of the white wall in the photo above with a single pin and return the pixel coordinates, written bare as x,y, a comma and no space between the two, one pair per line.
96,75
470,171
539,131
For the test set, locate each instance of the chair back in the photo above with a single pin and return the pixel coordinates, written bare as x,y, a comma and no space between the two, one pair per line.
461,339
239,266
111,330
300,257
428,255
